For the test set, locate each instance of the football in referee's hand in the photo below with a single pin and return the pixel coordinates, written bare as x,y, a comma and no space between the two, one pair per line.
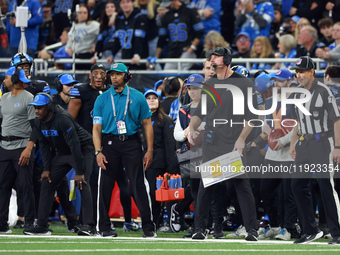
276,134
288,124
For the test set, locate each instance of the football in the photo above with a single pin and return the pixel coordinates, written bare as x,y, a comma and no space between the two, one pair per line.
288,124
276,134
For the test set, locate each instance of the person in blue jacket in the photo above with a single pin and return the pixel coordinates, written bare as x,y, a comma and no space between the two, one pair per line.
31,31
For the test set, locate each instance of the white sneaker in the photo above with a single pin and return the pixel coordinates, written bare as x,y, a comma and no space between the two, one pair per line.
240,232
270,233
283,235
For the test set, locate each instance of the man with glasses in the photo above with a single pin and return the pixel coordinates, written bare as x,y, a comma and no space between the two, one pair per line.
243,46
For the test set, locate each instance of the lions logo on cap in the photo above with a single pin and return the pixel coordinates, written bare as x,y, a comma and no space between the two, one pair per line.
299,61
69,76
115,65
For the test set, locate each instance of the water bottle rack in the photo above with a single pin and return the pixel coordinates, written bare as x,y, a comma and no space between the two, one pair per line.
165,194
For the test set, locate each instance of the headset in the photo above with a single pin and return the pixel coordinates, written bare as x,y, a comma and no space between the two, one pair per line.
127,76
50,106
168,87
58,83
15,77
227,57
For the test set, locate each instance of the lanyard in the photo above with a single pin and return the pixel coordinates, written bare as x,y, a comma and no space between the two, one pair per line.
126,104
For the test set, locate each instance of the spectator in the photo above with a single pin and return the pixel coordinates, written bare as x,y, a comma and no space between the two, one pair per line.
31,31
325,26
149,8
228,20
60,14
261,49
184,29
311,10
83,39
59,53
307,40
171,88
302,22
333,9
243,44
209,11
164,147
212,40
275,25
287,45
106,32
332,53
4,44
46,29
254,17
130,35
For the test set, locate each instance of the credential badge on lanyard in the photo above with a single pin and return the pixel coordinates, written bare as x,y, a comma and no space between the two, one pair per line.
121,126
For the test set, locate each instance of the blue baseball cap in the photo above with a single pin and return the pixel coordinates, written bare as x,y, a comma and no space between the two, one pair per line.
157,84
67,79
40,100
262,82
195,80
22,77
150,91
10,71
282,75
295,18
243,33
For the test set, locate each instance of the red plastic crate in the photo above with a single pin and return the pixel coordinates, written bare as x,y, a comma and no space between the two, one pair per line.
164,194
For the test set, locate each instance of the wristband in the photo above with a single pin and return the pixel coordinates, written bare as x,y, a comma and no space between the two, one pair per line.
260,142
193,47
336,147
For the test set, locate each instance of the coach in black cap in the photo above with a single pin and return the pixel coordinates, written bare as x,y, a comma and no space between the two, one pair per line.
315,145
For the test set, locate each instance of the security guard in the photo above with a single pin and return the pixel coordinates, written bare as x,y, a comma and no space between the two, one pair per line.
117,115
314,150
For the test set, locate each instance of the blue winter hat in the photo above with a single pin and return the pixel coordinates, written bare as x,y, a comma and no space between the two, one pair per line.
150,91
67,79
282,75
195,80
262,82
40,100
10,71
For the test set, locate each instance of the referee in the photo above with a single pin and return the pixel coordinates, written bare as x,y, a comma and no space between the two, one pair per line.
117,115
314,150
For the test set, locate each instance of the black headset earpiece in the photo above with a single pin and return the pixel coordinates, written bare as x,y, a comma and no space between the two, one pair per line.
227,57
127,77
58,83
168,87
50,104
15,77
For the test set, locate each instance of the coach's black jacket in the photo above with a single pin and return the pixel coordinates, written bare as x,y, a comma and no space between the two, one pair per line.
64,135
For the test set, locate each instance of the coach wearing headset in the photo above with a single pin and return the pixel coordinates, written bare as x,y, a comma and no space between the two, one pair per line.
117,115
74,149
64,82
221,139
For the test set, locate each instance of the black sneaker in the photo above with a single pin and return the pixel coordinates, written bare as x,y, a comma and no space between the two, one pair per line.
199,235
309,238
4,229
189,235
252,235
108,233
86,230
149,234
37,230
19,224
218,233
334,240
175,224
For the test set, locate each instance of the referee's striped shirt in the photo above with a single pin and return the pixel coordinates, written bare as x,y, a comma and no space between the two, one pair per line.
323,109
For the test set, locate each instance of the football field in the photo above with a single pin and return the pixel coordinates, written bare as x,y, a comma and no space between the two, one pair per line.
61,242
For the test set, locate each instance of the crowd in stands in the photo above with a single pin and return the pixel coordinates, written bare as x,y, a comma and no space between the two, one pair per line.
147,29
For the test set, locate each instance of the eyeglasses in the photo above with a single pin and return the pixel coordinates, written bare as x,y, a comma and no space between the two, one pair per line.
242,39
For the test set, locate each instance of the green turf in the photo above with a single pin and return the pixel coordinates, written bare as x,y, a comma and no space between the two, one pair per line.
62,242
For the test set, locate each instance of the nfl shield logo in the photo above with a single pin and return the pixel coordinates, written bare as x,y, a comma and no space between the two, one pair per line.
115,65
278,72
299,61
192,79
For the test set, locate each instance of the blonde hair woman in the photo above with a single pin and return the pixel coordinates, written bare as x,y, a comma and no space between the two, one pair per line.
212,40
299,25
261,49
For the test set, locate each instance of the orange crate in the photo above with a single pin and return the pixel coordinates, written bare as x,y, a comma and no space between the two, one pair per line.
164,194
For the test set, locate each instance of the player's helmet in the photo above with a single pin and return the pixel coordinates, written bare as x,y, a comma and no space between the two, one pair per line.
23,58
241,70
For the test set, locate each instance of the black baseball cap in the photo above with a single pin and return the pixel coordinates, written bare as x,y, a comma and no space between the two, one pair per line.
219,51
98,66
304,63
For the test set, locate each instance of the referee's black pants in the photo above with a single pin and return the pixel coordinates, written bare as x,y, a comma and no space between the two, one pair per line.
11,172
120,154
314,153
243,191
61,165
